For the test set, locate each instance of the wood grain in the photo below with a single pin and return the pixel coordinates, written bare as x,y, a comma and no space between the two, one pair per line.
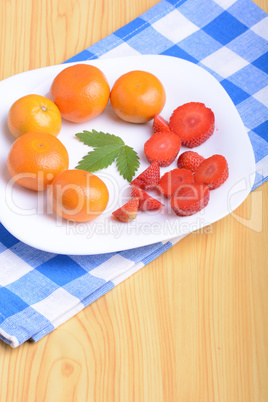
191,326
35,34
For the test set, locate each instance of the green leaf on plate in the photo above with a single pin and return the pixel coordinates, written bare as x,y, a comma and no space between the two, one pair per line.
107,149
100,158
97,139
127,162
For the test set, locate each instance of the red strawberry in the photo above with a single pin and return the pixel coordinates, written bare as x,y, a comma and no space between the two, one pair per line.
189,160
160,124
212,171
149,178
146,202
162,147
189,198
170,181
193,122
127,212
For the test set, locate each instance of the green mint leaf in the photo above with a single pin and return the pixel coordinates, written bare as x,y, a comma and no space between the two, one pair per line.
127,162
107,148
98,139
100,158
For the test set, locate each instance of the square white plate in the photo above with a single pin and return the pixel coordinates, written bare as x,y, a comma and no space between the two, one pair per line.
28,216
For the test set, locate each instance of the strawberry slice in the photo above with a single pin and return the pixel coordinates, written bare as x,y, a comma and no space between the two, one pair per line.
146,202
193,122
189,198
189,160
160,124
171,180
212,171
149,178
162,147
127,212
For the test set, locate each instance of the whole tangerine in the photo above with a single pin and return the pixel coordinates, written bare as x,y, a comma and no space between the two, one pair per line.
78,195
35,159
137,96
81,92
34,113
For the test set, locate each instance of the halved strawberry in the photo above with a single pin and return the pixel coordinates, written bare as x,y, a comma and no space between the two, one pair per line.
189,160
193,122
212,171
146,202
149,178
160,124
189,198
171,180
128,211
162,147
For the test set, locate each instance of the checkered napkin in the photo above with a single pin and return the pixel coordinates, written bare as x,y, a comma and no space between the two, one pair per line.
38,290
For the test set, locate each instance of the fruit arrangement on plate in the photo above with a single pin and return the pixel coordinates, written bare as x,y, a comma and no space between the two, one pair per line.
188,186
39,161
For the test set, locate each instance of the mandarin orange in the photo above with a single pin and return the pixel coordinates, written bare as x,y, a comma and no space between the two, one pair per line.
81,92
34,113
78,195
35,159
137,96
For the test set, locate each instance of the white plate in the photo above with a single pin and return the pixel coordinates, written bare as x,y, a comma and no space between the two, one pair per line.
27,215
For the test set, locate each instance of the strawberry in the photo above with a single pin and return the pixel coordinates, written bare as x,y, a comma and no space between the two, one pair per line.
129,211
162,147
193,122
212,171
189,160
189,198
146,202
160,124
149,178
170,181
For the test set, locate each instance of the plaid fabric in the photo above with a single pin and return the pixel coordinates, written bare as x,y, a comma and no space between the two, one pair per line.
38,290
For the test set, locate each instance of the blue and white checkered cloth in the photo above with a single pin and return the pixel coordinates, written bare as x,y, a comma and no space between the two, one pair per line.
38,290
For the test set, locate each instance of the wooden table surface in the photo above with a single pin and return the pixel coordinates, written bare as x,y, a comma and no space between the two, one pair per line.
190,326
